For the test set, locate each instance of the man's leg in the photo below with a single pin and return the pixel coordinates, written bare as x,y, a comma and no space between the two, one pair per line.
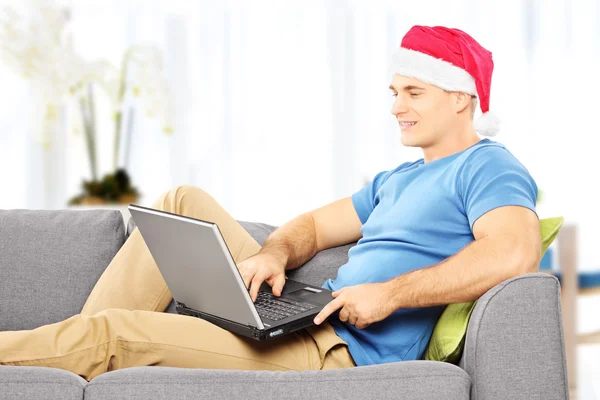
115,338
103,339
132,280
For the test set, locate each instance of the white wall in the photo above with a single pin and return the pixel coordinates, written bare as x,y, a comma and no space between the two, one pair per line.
280,109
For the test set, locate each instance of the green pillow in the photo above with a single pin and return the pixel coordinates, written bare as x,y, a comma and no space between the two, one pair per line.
449,334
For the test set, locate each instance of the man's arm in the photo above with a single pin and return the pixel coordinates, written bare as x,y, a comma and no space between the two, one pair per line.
507,244
298,240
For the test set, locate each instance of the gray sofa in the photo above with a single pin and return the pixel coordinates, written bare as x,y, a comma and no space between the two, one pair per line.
50,261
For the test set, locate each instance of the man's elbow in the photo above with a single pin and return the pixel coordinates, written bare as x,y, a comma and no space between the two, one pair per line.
527,260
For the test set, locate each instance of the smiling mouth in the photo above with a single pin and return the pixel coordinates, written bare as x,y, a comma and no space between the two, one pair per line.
406,124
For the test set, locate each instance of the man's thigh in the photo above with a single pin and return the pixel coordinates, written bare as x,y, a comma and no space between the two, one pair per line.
115,338
150,338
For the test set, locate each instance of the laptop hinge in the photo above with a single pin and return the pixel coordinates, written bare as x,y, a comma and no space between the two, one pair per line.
182,305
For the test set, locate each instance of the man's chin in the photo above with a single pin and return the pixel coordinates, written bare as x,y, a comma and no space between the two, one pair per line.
409,140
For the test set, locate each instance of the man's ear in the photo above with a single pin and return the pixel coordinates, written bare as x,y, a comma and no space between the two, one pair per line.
462,101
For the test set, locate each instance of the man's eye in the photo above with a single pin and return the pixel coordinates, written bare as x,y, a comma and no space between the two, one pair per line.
394,94
415,94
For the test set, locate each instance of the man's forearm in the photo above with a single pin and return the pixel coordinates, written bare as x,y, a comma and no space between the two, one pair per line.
464,277
293,243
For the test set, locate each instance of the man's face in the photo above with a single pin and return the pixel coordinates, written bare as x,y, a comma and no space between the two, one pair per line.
424,112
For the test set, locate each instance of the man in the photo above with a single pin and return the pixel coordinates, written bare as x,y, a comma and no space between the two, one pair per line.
443,229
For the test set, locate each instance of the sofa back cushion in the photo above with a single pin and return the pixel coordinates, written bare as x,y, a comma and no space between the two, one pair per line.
50,261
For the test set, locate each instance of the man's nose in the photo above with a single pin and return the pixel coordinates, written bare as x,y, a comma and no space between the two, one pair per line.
398,108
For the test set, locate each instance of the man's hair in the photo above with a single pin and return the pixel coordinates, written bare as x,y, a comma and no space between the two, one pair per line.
473,106
474,103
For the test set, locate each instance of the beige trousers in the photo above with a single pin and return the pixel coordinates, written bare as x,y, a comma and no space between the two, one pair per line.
123,324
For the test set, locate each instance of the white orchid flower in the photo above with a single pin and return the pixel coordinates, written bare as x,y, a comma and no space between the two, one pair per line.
35,42
144,63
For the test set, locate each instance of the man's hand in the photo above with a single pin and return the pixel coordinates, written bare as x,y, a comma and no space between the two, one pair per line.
360,305
259,268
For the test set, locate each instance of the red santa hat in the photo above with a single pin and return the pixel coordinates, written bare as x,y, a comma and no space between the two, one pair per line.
451,60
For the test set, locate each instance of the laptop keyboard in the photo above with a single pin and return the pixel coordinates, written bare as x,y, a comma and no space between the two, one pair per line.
275,308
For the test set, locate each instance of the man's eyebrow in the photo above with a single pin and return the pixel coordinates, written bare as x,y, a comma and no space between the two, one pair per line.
407,88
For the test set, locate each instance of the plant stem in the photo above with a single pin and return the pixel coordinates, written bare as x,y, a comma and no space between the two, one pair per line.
117,144
89,136
92,113
119,114
130,116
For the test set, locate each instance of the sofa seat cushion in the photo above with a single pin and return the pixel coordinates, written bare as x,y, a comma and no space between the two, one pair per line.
413,380
33,383
50,261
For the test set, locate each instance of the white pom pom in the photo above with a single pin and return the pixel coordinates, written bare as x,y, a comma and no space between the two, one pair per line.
487,125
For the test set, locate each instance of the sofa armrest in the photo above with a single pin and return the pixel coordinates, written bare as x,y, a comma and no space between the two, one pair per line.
514,347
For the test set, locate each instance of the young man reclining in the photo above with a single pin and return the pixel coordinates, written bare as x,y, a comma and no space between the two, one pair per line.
439,230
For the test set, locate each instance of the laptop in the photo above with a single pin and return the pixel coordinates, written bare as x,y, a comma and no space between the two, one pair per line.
205,282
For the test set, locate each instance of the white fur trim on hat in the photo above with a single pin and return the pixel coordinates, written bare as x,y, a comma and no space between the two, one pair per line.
433,71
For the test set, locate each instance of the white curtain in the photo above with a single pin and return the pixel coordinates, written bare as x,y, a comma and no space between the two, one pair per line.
283,106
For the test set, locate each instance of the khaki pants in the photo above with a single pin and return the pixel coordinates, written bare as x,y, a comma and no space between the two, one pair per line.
123,324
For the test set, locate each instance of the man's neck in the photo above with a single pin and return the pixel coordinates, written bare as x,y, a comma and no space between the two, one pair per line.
451,146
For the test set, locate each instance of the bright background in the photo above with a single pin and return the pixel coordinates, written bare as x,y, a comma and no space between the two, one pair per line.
283,106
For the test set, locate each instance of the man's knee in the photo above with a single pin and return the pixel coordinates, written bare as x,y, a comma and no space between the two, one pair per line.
175,197
181,191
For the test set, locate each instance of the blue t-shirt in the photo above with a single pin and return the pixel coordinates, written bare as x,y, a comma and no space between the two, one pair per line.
417,215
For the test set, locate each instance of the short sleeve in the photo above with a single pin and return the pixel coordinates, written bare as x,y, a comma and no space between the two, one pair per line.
492,177
364,199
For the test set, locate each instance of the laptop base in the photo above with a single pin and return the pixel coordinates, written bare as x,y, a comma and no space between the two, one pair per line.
248,330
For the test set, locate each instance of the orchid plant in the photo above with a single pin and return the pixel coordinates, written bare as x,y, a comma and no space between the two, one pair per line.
35,41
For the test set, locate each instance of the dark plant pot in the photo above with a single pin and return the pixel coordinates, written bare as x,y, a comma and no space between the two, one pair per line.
95,200
114,188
